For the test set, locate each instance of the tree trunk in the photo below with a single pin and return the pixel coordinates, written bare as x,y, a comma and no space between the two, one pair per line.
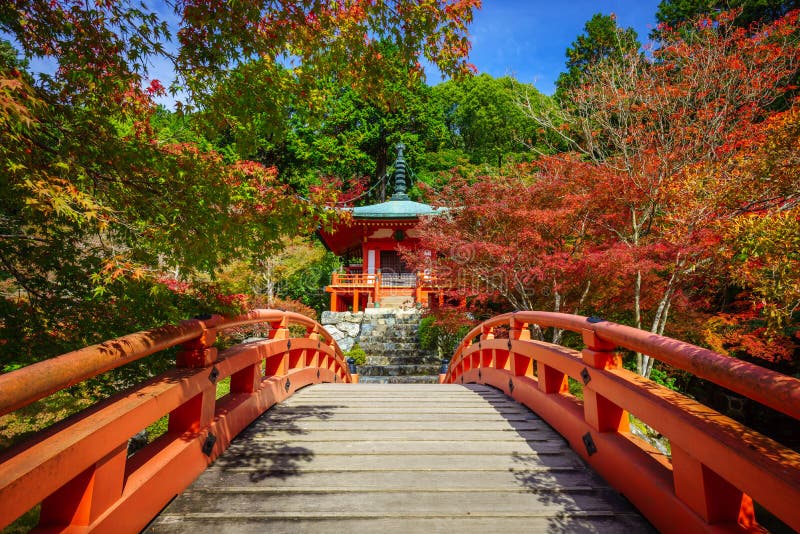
557,332
641,359
381,164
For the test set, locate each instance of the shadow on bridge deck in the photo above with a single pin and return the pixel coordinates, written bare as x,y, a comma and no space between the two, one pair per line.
399,458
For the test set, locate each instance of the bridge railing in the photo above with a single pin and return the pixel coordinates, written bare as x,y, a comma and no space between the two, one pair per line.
80,470
717,465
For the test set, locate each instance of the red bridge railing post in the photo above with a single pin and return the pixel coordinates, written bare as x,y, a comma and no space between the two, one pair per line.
518,330
83,499
200,352
599,412
551,380
487,332
709,495
277,364
522,363
279,329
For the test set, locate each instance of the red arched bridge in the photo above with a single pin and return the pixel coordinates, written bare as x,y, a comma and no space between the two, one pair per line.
484,450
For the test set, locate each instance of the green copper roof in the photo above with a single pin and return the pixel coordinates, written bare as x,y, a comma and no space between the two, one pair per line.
399,205
395,209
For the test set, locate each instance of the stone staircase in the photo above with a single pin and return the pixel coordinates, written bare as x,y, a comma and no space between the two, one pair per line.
390,339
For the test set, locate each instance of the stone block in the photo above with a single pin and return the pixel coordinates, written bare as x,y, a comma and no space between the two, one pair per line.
350,329
346,343
335,333
353,317
329,317
366,329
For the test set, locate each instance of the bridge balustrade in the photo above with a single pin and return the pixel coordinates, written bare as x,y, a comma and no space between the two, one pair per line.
717,466
80,470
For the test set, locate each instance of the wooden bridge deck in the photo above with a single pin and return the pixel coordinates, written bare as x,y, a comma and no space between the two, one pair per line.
399,458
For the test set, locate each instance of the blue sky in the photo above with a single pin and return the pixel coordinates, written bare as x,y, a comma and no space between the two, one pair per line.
528,39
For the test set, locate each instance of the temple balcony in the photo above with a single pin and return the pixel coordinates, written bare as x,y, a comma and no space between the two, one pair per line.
358,291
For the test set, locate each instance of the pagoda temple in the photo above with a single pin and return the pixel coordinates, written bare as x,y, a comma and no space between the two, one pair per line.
369,239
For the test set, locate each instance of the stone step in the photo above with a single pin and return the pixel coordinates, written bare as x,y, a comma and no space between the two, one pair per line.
406,358
383,346
402,360
388,329
392,332
389,344
398,370
407,379
383,351
409,352
380,342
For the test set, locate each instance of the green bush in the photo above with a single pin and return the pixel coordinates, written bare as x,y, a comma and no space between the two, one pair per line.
427,333
660,374
358,354
443,332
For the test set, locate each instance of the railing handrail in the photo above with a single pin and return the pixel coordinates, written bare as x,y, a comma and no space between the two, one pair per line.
24,386
362,278
770,388
418,277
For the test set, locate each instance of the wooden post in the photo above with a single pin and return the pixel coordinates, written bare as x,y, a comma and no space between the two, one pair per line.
355,300
518,330
82,500
551,380
599,412
279,329
200,352
487,332
194,414
712,497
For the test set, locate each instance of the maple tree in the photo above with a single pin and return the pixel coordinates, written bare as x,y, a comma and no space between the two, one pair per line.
672,13
513,241
760,241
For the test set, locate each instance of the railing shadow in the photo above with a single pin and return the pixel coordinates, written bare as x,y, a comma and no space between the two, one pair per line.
268,458
580,500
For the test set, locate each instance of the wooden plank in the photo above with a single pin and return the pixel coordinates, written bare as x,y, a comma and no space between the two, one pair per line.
336,417
512,503
400,435
411,404
462,525
552,445
327,481
408,425
298,459
330,411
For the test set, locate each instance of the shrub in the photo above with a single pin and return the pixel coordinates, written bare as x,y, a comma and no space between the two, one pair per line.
358,354
443,329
